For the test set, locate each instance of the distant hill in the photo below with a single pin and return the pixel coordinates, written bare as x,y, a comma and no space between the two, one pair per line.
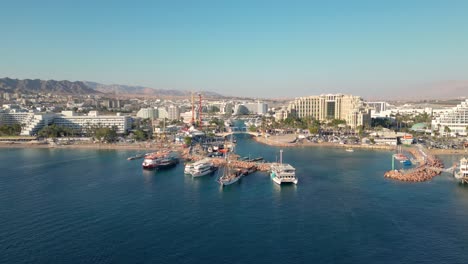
119,89
49,86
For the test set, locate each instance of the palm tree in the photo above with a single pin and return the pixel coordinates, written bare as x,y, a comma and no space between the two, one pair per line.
447,130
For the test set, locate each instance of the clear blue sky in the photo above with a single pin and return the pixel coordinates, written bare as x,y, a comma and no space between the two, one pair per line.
251,48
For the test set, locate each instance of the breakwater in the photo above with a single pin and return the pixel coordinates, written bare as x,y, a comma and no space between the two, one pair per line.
429,167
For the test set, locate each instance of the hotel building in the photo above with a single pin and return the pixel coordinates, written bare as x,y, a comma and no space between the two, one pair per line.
332,106
456,119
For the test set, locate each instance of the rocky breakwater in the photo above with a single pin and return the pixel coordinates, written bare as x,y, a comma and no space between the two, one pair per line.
429,167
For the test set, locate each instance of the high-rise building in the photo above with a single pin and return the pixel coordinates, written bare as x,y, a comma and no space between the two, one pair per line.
455,119
150,113
162,113
332,106
173,112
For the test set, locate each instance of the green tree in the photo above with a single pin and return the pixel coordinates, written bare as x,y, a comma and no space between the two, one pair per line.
252,128
447,130
10,130
187,141
105,134
139,135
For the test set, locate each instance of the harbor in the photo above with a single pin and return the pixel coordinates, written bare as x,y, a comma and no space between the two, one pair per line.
339,199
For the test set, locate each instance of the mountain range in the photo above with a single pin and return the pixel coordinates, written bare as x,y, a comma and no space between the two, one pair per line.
43,86
86,87
119,89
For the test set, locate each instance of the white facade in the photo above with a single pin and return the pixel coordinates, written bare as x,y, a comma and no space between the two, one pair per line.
85,123
173,112
332,106
150,113
456,119
162,113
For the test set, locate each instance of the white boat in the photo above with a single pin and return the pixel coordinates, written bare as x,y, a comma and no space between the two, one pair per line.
202,168
350,150
462,172
283,172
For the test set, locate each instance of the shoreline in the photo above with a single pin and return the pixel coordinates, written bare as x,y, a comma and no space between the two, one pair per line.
277,141
99,146
285,142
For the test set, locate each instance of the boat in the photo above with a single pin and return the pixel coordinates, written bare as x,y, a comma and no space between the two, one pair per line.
230,175
400,157
406,162
139,156
256,159
202,168
167,162
462,173
152,160
350,150
283,172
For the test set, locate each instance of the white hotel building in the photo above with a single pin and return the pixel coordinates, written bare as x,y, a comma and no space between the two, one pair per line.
332,106
33,122
93,119
456,119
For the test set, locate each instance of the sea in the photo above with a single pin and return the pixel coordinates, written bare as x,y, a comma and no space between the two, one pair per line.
95,206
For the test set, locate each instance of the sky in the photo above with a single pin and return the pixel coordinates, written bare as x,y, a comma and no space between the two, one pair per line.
270,49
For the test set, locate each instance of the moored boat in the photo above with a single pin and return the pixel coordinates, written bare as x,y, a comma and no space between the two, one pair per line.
202,168
462,173
283,172
167,162
230,176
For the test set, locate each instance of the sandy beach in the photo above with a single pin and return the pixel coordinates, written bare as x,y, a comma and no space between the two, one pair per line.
138,146
285,141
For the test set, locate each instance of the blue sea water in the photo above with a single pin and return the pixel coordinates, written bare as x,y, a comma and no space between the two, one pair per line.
90,206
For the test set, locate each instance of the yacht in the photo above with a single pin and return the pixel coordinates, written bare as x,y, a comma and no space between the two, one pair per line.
283,172
202,168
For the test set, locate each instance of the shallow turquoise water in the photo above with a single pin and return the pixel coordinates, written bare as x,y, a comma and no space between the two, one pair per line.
86,206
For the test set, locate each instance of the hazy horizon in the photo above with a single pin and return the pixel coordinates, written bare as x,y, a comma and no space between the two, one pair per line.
266,49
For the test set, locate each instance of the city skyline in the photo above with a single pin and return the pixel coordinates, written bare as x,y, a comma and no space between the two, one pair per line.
259,49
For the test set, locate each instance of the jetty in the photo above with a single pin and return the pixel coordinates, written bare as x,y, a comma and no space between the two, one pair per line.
429,167
250,165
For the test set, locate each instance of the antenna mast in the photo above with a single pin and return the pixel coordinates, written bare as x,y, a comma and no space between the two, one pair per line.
193,110
200,110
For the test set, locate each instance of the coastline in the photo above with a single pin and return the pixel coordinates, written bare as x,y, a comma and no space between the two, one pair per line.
285,141
98,146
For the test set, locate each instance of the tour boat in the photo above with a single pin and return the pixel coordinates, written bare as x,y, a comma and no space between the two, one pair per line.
283,172
202,168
